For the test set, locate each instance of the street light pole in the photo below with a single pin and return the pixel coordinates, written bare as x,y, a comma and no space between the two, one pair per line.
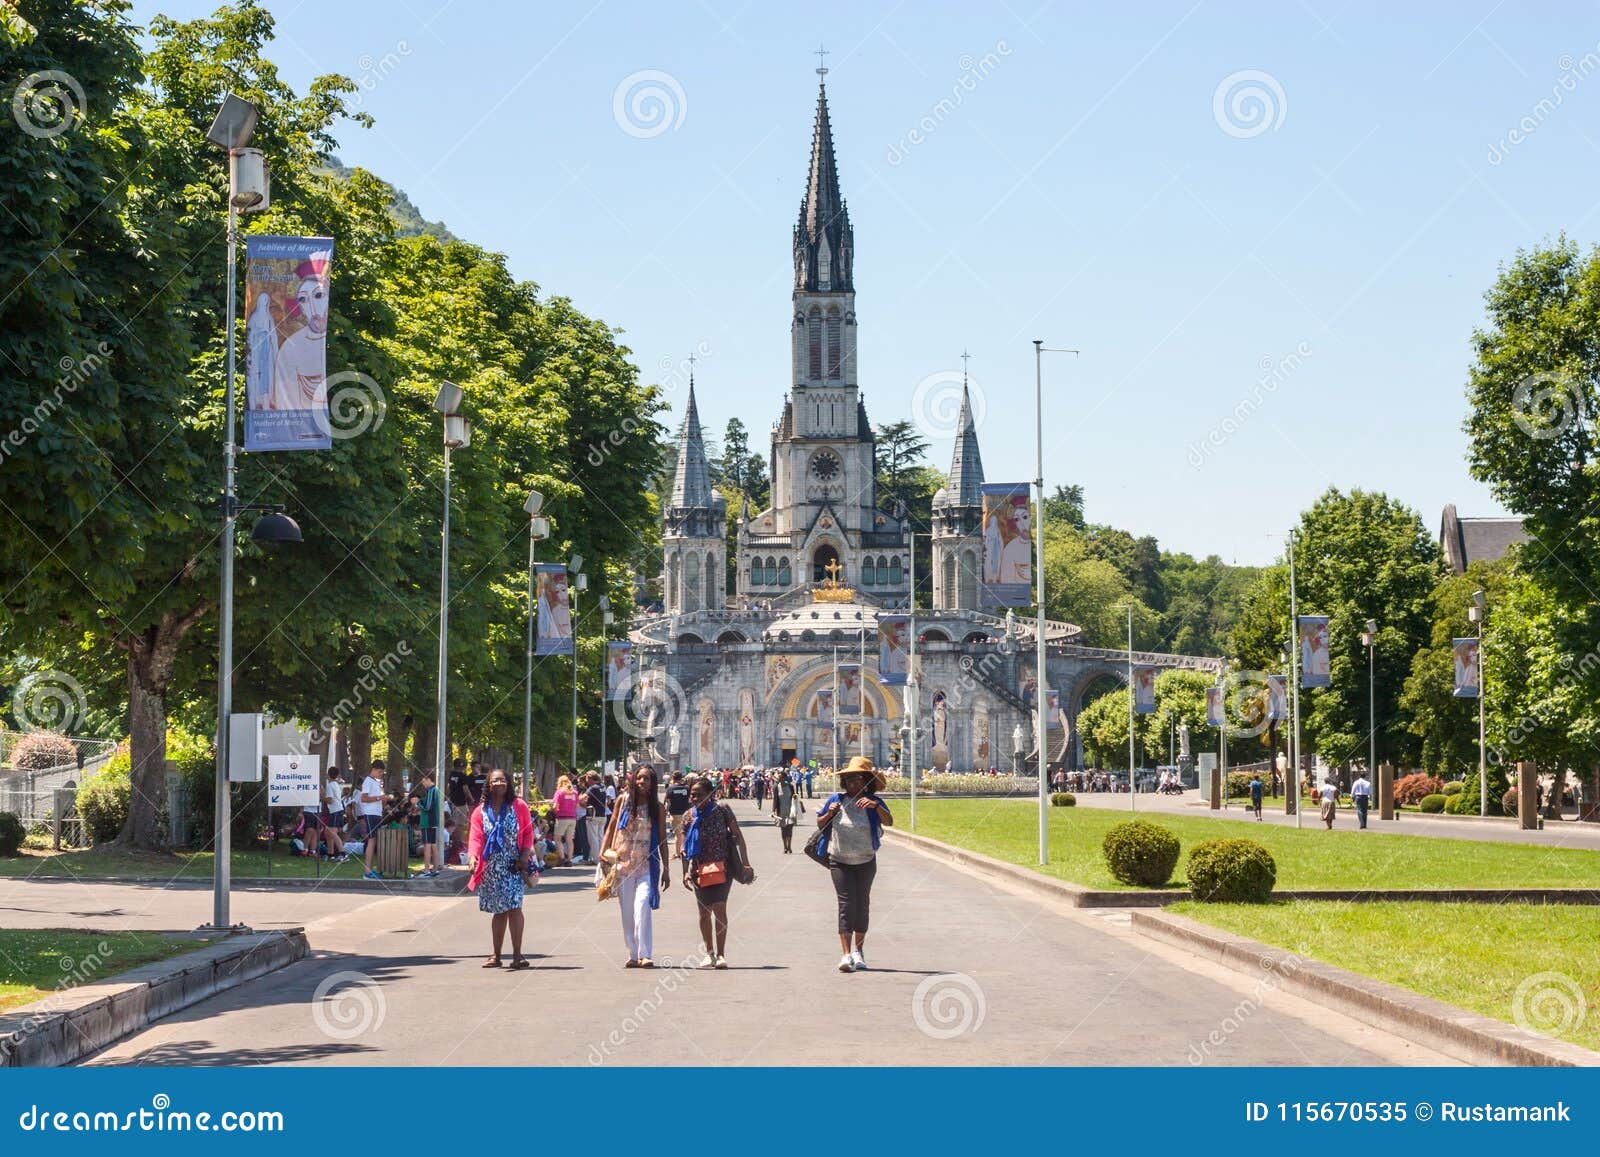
913,688
1132,781
606,619
538,528
1475,612
1292,790
457,436
1370,638
1040,697
578,583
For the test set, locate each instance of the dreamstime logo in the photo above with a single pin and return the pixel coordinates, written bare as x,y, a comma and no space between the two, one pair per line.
1274,372
648,103
1275,971
357,1008
1546,403
48,701
936,403
948,1005
652,703
47,104
1549,1004
1247,703
973,71
355,404
376,70
1249,103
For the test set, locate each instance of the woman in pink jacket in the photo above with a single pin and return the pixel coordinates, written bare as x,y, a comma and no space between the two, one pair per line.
499,850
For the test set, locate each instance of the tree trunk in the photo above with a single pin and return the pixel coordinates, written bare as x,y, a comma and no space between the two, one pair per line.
398,725
422,748
320,742
1558,786
359,754
341,749
151,654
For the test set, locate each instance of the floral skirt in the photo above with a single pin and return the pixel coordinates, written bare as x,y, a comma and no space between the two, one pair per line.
500,890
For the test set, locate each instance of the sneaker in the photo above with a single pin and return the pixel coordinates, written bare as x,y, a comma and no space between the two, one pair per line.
710,961
859,960
371,876
722,963
847,963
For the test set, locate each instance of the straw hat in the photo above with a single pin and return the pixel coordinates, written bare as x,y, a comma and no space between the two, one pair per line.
861,765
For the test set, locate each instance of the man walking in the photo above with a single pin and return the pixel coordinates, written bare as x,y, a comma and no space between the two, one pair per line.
810,791
1361,793
594,803
677,802
1255,795
371,809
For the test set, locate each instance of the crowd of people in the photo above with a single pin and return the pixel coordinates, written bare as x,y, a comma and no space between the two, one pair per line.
639,832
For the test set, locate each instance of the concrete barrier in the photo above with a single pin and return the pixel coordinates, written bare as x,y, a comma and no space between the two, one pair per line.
76,1022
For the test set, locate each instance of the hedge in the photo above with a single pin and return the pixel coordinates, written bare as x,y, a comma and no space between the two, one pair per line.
1232,871
11,834
1141,853
1433,804
1063,799
1409,789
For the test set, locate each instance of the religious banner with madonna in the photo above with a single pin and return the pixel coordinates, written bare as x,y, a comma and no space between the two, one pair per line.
1007,574
619,664
286,334
554,636
894,649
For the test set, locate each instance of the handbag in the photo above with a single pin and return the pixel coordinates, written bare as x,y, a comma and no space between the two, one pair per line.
711,873
737,868
813,849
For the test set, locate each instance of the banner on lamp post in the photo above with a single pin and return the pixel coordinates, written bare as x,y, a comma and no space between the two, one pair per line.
1469,679
1277,698
1214,713
286,290
1007,546
554,636
1312,631
894,649
849,689
1144,690
619,666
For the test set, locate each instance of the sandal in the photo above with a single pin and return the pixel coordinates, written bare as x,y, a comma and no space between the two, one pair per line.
519,964
646,962
633,964
492,962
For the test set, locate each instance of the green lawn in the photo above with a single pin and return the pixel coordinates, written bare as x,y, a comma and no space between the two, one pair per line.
1474,956
36,962
1311,857
178,865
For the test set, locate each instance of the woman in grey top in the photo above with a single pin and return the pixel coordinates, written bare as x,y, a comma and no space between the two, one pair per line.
853,820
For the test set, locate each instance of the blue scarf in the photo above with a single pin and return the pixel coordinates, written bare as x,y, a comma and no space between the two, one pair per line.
655,853
500,830
691,843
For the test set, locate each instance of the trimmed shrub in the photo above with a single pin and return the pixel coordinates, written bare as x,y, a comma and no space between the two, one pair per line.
1141,853
1454,787
11,834
103,801
1063,799
1409,789
43,750
1232,872
1508,802
1432,804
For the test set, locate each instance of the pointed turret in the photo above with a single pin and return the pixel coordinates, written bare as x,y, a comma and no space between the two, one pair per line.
693,530
824,245
691,481
966,464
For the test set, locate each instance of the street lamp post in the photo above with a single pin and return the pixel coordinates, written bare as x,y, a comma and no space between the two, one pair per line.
1292,790
247,193
457,436
538,529
1133,784
1369,640
1040,723
606,619
578,583
1475,613
913,686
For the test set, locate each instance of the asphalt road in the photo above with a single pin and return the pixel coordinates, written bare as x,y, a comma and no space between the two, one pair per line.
963,973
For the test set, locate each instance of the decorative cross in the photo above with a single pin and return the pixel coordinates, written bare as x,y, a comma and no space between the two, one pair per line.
833,570
965,358
822,62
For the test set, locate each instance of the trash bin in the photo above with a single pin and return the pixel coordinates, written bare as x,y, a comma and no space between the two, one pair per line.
391,858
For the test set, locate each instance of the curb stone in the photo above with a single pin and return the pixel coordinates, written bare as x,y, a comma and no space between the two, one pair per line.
447,885
72,1024
1468,1036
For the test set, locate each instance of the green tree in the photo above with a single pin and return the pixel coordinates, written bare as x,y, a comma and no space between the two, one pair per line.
1447,725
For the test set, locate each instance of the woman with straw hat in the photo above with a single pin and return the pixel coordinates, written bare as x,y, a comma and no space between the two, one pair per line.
853,820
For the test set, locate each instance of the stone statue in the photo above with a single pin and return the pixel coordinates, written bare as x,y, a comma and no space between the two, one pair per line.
1019,740
1183,741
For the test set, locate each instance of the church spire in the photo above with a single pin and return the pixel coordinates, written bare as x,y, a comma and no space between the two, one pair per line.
966,465
824,244
691,480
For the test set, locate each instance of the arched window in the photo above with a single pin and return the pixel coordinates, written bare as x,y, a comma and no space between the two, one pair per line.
711,578
897,574
784,575
672,583
969,579
835,348
821,559
947,588
772,570
814,340
691,585
883,571
869,576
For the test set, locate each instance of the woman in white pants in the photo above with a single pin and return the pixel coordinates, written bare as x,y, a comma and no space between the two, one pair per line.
637,834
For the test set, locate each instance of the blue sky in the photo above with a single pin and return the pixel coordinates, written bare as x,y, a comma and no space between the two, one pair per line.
1087,179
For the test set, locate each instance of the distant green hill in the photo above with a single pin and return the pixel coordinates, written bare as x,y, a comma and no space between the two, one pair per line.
409,221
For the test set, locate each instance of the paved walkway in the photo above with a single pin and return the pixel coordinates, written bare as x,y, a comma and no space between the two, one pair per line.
964,973
1555,833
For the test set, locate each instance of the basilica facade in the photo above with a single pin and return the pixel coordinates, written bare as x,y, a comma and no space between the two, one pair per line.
748,672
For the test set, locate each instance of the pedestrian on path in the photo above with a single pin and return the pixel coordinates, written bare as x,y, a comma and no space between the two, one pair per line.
371,809
1255,795
711,837
427,795
853,820
677,803
786,808
499,850
565,803
1361,793
1329,799
597,809
637,835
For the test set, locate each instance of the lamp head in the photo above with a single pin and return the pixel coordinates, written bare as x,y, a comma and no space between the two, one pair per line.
539,527
1480,599
580,581
275,529
535,503
575,563
233,124
448,400
457,432
1372,626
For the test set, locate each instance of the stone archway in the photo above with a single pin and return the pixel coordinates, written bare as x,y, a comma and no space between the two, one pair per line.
822,557
1082,682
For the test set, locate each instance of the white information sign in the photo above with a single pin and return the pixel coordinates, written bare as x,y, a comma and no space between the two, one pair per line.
294,781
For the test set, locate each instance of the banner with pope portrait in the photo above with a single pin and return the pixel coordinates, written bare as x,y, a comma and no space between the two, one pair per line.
619,663
1277,698
894,649
1214,715
1464,653
286,288
1007,574
1144,690
554,635
1313,635
848,698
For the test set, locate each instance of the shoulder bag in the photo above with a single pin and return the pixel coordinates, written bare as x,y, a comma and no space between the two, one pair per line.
813,849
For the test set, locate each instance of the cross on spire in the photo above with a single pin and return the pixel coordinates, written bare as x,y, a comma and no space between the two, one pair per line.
822,60
965,357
